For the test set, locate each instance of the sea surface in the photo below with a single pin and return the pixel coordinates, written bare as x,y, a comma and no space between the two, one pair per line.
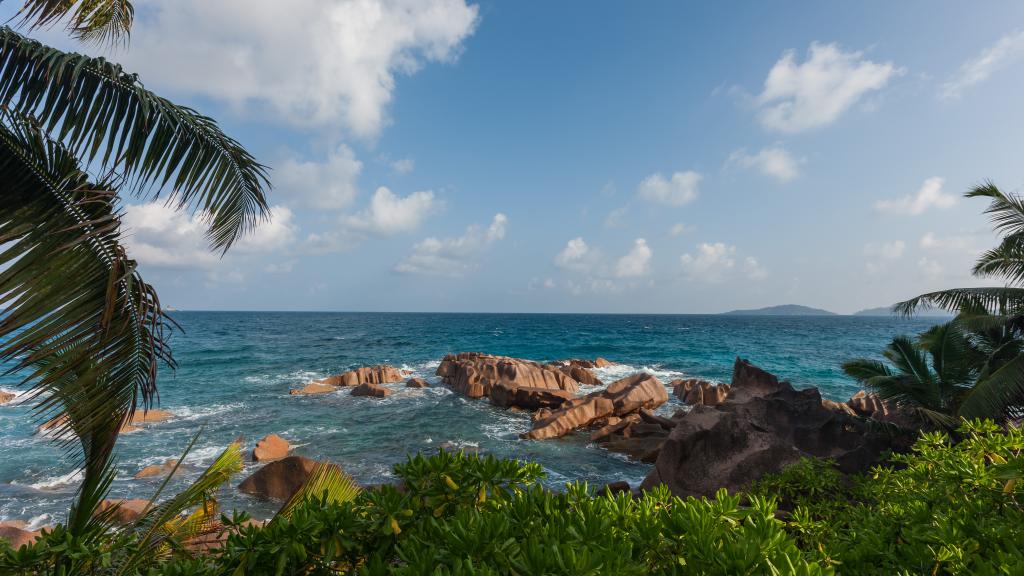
236,369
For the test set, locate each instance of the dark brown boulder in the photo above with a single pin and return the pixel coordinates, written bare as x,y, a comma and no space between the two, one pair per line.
371,390
763,426
280,479
613,488
417,383
527,397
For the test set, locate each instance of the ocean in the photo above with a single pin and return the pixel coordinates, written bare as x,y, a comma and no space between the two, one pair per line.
236,369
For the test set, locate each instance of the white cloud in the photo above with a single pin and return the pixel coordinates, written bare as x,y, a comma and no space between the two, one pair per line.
1004,52
815,93
637,262
680,229
281,268
158,235
575,256
616,217
963,243
774,161
453,257
389,214
930,195
716,262
314,63
886,250
275,234
328,185
680,189
403,165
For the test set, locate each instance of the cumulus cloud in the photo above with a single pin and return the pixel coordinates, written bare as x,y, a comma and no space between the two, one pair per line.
637,262
389,214
717,261
679,229
680,189
157,235
575,256
403,165
929,195
312,63
1006,51
327,185
774,161
453,257
886,250
816,92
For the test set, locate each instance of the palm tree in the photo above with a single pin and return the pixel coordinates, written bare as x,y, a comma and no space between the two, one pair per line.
77,320
993,316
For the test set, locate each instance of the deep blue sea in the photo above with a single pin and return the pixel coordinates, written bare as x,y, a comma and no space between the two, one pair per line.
236,369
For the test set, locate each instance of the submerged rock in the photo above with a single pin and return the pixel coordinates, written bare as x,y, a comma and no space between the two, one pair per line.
280,479
763,426
417,383
619,399
699,392
371,390
270,447
475,374
160,470
380,374
124,511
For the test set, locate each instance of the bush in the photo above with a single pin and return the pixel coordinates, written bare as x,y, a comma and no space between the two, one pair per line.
940,509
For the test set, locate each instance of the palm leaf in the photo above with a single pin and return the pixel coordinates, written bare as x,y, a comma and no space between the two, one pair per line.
997,300
996,395
105,116
326,482
1006,211
1005,260
88,20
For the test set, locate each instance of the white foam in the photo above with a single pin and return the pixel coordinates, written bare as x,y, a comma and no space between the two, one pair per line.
20,396
53,482
37,522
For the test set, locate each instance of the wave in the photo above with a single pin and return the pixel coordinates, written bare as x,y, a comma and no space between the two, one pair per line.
54,482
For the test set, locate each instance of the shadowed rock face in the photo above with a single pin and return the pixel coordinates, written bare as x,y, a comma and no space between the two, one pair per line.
371,390
699,392
579,370
763,426
474,374
527,397
280,479
417,383
619,399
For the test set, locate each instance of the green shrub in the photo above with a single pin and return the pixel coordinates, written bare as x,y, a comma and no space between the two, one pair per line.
940,509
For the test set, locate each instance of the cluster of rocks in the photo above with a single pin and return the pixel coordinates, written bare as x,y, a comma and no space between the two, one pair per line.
366,380
138,420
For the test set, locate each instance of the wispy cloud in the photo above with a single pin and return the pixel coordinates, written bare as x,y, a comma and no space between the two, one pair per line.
1006,51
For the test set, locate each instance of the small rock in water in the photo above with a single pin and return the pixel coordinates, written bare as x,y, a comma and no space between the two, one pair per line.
271,447
6,397
126,510
158,470
280,479
417,383
371,390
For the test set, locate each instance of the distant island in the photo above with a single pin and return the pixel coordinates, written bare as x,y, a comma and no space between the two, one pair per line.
782,310
887,311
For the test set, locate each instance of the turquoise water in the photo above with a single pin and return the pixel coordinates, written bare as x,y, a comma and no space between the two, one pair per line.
236,369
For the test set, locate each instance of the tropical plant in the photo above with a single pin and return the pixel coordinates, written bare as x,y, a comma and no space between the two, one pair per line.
78,321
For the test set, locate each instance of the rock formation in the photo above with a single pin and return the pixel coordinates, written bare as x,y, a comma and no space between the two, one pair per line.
158,470
371,390
602,363
873,407
280,479
138,418
417,383
476,375
124,511
619,399
508,395
381,374
17,534
270,447
763,426
699,392
579,370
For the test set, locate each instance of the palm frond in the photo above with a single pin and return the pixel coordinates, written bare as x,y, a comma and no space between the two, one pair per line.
104,115
326,482
1006,211
997,394
997,300
1005,260
88,20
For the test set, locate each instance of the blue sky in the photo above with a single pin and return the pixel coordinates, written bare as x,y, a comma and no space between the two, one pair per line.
443,155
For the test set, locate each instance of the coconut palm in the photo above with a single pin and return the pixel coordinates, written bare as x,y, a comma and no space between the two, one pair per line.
993,316
77,321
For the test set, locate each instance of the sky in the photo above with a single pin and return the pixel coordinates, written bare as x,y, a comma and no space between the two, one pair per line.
586,156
